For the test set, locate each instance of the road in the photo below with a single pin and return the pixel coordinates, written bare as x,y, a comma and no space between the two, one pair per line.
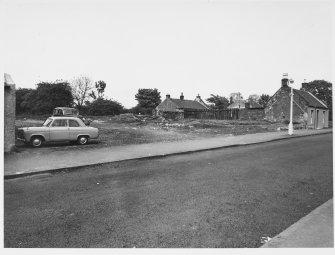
223,198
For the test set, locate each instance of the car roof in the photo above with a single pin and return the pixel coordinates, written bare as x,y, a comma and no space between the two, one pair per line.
65,108
63,117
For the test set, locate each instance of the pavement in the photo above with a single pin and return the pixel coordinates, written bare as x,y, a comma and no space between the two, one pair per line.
314,230
41,161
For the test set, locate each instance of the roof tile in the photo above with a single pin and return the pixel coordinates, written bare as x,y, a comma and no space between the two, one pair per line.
310,99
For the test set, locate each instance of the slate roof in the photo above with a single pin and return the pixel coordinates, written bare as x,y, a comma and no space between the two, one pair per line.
255,105
173,104
188,104
311,100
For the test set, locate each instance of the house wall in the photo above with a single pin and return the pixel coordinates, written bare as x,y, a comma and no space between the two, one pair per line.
278,107
9,115
251,114
174,115
317,118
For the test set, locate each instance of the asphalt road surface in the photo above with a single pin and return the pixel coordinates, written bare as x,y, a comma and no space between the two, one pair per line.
222,198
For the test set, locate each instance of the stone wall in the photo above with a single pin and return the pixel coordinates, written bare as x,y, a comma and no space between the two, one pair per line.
278,107
251,114
173,115
9,115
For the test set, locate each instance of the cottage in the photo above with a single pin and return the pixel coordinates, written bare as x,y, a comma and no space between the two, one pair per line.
9,113
175,108
307,108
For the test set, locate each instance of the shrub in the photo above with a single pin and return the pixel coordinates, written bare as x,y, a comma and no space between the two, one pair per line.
101,107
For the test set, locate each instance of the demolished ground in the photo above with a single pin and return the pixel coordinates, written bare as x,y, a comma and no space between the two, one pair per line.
125,129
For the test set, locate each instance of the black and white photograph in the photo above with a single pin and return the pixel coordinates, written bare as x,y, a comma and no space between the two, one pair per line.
199,126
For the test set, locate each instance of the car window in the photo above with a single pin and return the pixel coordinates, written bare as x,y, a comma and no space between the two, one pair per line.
59,123
67,111
73,123
47,122
58,112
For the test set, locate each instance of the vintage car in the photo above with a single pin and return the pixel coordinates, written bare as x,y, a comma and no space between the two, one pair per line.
58,129
66,111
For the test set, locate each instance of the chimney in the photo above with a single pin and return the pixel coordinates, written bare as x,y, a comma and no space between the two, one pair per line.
284,80
181,96
304,84
168,96
198,98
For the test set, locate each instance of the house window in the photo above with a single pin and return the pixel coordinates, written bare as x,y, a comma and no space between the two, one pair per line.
324,115
312,113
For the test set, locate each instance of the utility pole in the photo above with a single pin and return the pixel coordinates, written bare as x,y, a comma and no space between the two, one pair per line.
290,126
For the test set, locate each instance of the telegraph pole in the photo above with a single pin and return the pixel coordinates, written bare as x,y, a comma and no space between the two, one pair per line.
290,126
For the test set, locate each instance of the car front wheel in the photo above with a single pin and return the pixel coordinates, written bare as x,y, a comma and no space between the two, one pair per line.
36,142
82,140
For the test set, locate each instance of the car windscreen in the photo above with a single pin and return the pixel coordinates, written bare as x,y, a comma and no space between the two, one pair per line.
47,123
70,112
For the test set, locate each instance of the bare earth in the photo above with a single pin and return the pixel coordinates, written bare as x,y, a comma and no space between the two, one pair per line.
129,129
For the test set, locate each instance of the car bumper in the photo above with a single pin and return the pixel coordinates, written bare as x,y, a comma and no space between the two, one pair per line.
21,139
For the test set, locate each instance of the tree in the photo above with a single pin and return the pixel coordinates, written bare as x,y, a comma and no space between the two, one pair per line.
81,90
322,90
147,99
263,99
236,96
253,98
29,101
21,94
47,96
218,101
100,88
101,107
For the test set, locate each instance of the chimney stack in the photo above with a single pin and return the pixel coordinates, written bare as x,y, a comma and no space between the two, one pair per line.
304,84
284,80
181,96
168,96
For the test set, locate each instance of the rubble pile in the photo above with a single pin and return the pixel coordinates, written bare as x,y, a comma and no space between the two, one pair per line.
126,117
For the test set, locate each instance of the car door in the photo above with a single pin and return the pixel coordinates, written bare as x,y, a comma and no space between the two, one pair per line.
59,130
75,129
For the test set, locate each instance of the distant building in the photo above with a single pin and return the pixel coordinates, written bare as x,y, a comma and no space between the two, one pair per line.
307,108
242,104
9,113
174,108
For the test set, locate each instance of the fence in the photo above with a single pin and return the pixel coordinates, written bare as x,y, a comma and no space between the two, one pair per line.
227,114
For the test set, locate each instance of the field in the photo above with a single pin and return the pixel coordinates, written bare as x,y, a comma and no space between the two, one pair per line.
127,129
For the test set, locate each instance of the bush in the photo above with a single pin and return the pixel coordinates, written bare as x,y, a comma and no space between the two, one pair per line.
101,107
44,98
141,110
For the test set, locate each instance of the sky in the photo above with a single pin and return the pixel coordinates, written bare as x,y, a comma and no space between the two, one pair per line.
195,47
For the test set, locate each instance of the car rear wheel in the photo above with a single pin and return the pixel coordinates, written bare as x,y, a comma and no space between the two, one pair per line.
36,141
82,140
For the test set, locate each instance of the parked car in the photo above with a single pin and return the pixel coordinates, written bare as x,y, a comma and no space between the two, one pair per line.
67,111
58,129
